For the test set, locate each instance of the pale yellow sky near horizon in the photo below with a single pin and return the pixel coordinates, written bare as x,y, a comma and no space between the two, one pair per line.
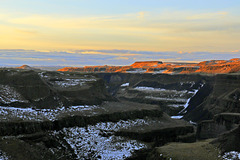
180,31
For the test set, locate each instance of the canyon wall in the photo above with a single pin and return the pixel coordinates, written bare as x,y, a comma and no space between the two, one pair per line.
207,67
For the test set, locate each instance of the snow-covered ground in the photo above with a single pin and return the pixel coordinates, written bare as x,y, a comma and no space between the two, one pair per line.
98,141
12,113
9,95
192,83
175,98
72,82
151,89
67,81
176,117
3,156
233,155
174,105
166,99
159,72
142,88
187,103
125,85
137,71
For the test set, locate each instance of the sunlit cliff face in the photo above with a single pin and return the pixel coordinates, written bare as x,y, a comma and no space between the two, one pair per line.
211,67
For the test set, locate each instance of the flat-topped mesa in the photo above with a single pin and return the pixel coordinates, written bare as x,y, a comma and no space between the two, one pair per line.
141,64
70,69
220,66
104,68
209,67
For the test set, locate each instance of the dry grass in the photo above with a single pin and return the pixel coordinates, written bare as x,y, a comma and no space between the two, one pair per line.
189,151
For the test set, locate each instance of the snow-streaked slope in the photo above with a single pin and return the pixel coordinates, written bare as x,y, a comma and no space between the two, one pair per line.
98,141
3,156
26,114
9,95
233,155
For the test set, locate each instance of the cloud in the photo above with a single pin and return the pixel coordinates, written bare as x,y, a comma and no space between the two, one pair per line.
109,52
123,57
236,51
141,15
146,30
31,32
206,16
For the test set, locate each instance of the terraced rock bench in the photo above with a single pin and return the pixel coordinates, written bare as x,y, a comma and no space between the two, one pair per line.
221,123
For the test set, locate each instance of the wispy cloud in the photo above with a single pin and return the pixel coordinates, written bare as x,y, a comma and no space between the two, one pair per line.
32,32
109,57
206,16
145,30
141,14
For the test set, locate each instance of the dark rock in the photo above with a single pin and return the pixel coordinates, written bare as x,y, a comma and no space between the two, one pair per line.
229,141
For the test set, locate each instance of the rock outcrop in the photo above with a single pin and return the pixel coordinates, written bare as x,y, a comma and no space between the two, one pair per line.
21,88
114,113
229,141
220,124
206,67
26,67
221,95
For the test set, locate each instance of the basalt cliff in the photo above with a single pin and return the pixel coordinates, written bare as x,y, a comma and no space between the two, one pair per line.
149,110
209,67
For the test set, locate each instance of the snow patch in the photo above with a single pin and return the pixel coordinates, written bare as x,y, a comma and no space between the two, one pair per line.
186,105
191,122
3,156
40,114
158,72
233,155
67,82
99,142
9,95
174,105
125,85
188,82
176,117
72,82
137,71
166,99
149,89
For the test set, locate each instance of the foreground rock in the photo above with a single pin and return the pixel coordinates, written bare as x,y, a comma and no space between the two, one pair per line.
229,141
164,131
21,88
92,133
69,115
220,124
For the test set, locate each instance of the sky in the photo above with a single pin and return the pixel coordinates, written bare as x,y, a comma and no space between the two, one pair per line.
117,32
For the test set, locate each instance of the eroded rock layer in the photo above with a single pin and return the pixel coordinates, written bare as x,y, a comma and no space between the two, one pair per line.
209,67
72,115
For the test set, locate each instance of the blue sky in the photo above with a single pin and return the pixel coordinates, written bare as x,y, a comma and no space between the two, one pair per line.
106,7
52,32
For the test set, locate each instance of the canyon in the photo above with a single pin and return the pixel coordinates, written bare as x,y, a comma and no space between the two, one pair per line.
141,111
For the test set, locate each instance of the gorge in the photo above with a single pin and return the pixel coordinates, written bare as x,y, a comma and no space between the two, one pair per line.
140,111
